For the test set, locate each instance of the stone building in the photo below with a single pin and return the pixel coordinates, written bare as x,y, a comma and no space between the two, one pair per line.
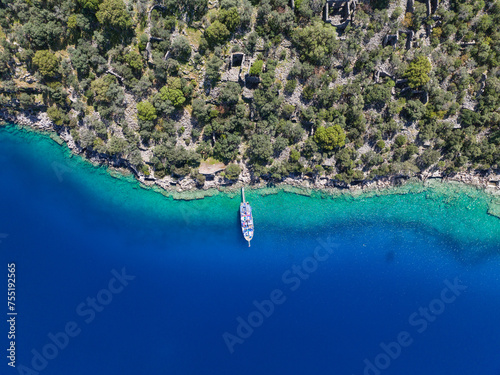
339,12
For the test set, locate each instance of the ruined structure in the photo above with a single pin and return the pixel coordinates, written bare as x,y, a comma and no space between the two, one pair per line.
236,62
339,12
390,39
237,59
431,6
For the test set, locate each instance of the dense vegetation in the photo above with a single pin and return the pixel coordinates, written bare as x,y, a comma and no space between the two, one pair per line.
148,85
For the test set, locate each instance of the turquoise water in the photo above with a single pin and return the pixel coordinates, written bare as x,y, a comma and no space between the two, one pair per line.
370,266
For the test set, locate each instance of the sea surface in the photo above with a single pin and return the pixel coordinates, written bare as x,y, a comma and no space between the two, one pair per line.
112,278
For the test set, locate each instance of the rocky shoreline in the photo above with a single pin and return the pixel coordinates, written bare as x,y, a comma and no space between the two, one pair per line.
177,187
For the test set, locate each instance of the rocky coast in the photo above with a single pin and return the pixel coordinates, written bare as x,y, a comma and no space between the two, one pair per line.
186,188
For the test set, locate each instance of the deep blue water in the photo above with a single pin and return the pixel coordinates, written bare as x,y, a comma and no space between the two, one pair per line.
68,229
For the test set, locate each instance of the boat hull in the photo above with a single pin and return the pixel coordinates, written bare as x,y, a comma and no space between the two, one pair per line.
246,219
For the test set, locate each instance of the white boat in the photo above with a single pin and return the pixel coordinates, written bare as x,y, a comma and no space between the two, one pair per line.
246,218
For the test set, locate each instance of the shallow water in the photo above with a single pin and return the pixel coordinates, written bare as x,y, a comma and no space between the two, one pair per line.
368,264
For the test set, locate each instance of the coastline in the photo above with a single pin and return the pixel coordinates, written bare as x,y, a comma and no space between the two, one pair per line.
186,189
465,214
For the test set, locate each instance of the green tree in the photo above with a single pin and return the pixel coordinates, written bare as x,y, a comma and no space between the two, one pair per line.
212,73
290,86
114,14
260,148
415,109
201,111
217,33
143,41
427,158
316,42
146,111
134,60
173,92
400,140
230,18
417,72
469,118
226,147
92,5
330,138
47,63
116,145
232,171
101,88
279,145
230,93
378,93
181,50
55,115
256,68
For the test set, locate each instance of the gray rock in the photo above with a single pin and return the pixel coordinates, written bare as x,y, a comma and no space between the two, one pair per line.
247,94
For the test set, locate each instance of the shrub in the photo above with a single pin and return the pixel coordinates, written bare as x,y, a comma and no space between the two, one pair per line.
217,33
290,86
212,73
378,93
173,92
397,12
181,49
330,138
230,93
256,68
232,171
55,115
114,14
288,110
230,18
47,63
134,60
417,72
415,109
400,140
146,111
143,41
427,158
316,42
308,92
200,179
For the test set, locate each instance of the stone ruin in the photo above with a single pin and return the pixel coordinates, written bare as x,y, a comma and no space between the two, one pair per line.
238,65
236,62
431,6
339,12
390,39
237,59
